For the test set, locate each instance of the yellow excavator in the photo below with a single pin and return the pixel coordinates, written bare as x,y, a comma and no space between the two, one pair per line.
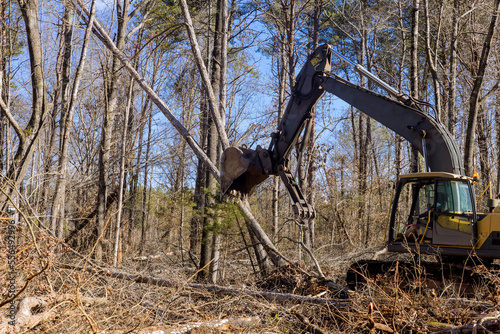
433,212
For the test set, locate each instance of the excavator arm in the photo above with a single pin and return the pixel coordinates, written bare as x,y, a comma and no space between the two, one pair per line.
242,169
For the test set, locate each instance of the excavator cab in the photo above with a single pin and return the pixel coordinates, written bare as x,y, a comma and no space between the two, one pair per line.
433,211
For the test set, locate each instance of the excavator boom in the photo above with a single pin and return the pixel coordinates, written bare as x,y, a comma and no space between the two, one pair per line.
430,137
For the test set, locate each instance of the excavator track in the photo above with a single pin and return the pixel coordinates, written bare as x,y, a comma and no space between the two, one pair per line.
413,275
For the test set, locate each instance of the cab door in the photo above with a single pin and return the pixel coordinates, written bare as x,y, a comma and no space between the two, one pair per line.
453,216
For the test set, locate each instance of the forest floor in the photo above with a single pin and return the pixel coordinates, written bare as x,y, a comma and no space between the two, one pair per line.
66,293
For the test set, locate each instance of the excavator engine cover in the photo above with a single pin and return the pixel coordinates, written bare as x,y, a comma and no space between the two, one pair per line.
242,169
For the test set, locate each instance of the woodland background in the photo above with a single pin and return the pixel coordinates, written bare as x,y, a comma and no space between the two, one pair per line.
121,167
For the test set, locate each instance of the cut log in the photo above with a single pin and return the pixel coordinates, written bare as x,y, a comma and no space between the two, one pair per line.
271,296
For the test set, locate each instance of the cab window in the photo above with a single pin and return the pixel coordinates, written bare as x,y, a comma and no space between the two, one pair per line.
453,197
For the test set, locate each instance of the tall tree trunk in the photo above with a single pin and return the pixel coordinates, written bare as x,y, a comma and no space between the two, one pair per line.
133,200
4,81
363,133
117,256
145,117
397,138
211,148
108,121
145,200
124,157
28,136
470,134
288,8
414,159
209,217
62,72
310,136
199,200
210,225
220,58
452,85
280,68
366,171
212,92
482,141
188,105
199,193
68,112
497,140
433,60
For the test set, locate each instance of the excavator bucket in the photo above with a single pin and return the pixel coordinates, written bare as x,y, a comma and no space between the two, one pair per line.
242,169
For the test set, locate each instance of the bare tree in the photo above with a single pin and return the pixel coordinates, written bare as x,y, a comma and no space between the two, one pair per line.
452,85
433,59
414,89
310,132
112,82
219,80
58,203
4,80
476,90
63,73
145,211
29,135
398,139
497,135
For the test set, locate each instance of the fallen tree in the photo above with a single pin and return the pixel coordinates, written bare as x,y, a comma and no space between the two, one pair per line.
217,289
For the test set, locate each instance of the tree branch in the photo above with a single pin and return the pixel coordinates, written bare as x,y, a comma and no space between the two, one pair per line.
12,120
214,108
28,280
